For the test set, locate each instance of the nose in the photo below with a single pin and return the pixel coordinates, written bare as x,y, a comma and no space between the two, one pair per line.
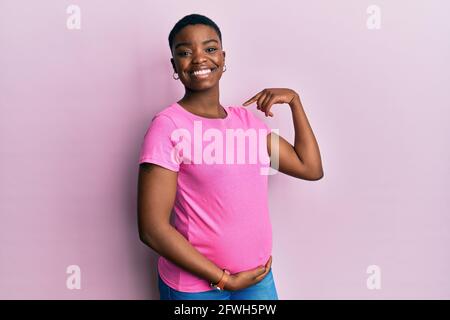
198,56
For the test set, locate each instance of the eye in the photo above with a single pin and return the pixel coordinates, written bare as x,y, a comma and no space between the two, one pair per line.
182,53
214,49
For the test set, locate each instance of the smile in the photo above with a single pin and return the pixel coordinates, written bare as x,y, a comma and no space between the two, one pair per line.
202,73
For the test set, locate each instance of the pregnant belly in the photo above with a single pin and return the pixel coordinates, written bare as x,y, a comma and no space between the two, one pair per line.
237,248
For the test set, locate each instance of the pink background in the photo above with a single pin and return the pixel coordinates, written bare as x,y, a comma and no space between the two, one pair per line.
75,105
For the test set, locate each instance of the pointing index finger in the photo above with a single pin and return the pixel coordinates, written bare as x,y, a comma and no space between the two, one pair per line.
252,99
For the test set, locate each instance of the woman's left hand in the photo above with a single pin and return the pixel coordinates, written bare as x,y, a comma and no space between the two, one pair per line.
267,97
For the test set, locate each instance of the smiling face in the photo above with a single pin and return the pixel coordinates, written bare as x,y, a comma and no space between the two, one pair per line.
198,57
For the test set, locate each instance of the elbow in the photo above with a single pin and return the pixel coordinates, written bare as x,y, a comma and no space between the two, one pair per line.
309,176
149,241
310,171
145,235
315,175
153,238
145,238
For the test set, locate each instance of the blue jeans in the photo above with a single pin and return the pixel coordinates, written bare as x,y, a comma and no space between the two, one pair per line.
263,290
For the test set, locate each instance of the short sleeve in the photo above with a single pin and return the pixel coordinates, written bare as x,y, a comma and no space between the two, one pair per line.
260,123
266,126
263,128
158,147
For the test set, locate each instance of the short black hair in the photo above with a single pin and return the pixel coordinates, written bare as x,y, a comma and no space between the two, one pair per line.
191,20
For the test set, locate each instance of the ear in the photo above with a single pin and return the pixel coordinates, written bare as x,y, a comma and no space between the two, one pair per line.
173,64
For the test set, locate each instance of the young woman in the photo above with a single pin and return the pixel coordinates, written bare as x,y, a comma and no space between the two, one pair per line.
219,244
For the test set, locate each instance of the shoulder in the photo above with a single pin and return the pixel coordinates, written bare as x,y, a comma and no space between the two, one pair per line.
242,113
165,118
247,116
239,110
161,123
167,114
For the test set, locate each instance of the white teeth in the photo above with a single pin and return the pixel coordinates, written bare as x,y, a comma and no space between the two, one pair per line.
206,71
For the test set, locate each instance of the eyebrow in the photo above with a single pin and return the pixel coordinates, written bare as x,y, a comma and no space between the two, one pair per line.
189,43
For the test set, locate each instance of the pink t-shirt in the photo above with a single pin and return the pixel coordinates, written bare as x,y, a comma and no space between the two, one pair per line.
221,204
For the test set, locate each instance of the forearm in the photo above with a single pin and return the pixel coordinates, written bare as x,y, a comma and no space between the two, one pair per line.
305,144
172,245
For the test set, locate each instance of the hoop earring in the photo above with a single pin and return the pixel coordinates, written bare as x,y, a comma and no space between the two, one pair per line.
223,70
173,76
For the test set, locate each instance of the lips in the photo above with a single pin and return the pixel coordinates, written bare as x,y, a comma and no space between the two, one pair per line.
201,72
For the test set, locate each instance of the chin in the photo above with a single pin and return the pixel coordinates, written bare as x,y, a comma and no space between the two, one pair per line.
201,87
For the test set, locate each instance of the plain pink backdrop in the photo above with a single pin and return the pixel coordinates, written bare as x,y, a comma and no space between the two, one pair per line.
75,105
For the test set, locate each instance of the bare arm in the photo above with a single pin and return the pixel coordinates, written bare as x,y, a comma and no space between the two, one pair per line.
156,196
303,160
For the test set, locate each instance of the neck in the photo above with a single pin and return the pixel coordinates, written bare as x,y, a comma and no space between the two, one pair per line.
204,102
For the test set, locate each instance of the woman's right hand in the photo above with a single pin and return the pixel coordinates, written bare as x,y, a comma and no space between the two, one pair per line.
244,279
